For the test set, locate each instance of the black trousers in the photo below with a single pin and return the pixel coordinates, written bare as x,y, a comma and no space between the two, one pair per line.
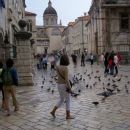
116,70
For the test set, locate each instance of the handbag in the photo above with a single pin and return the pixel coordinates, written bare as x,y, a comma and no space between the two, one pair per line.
67,89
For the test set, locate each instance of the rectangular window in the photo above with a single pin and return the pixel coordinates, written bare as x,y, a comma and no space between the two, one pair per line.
124,21
14,52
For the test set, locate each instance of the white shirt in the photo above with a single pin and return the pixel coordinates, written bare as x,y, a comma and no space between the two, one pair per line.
116,59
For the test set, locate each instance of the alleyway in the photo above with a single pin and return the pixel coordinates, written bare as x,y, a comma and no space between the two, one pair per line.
36,102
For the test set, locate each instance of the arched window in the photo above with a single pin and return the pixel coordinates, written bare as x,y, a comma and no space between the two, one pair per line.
47,21
52,21
29,26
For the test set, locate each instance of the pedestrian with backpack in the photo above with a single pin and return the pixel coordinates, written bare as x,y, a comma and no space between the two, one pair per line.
10,80
1,86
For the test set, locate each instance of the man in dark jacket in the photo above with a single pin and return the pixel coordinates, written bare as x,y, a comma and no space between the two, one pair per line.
82,59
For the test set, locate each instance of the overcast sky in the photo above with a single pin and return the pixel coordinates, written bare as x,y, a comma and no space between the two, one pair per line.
67,10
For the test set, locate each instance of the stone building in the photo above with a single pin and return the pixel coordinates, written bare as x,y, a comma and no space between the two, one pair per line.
10,13
67,38
110,26
2,29
75,35
31,27
90,48
48,36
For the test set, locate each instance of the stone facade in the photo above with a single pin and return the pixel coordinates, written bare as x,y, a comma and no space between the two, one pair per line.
67,38
12,46
74,36
110,26
10,14
47,37
2,31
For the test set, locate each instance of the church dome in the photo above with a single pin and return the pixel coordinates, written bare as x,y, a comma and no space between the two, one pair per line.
50,10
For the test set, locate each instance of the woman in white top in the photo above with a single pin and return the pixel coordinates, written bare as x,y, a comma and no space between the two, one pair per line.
63,86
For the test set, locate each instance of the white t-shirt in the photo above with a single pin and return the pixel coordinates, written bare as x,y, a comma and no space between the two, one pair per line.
116,59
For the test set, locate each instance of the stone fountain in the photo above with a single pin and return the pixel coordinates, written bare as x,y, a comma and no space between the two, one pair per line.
23,62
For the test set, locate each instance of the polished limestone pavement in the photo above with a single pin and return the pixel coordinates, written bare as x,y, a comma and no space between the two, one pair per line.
36,102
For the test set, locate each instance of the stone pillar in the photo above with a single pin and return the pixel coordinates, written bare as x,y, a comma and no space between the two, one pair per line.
23,62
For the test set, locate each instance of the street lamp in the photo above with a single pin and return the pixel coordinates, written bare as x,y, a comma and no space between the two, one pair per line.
82,34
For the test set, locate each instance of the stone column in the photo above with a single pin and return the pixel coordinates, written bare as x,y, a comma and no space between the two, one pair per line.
23,62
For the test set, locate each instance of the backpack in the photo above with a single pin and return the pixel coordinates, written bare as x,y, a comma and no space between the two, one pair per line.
7,77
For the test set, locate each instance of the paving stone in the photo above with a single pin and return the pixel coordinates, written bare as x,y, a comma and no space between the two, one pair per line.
36,104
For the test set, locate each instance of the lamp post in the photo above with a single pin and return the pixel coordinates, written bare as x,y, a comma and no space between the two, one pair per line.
83,34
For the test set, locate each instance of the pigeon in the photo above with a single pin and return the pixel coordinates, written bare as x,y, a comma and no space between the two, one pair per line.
79,90
42,82
52,91
97,71
99,79
127,91
74,94
119,80
95,103
113,81
87,85
41,86
105,94
126,76
48,89
51,81
126,87
118,90
90,87
114,86
110,90
108,84
88,75
103,88
128,82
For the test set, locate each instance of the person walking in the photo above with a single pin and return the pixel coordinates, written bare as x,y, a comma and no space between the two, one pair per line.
1,86
64,87
106,64
45,61
74,59
10,80
91,58
82,59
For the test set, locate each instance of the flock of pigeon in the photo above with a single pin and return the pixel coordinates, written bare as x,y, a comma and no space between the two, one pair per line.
90,80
